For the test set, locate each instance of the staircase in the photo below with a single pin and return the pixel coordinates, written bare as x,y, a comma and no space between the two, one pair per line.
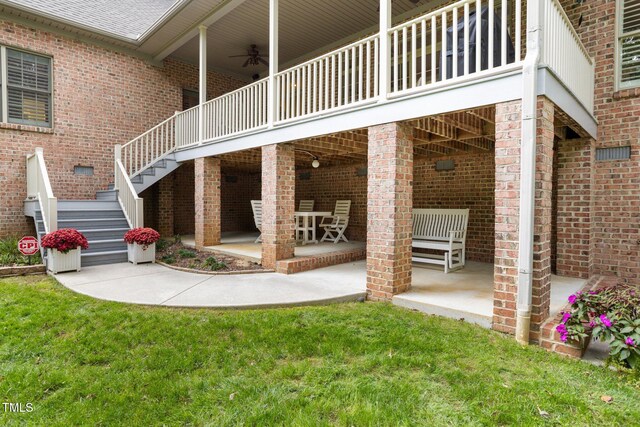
154,173
102,222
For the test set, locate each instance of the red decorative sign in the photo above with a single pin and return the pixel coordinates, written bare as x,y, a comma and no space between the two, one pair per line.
28,245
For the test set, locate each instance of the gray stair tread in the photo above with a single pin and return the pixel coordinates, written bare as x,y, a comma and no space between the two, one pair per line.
92,254
98,241
93,230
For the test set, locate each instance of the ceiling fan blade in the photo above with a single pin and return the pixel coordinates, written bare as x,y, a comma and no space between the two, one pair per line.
246,62
263,61
238,56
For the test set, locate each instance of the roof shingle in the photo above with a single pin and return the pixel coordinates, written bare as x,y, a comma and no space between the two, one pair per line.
123,18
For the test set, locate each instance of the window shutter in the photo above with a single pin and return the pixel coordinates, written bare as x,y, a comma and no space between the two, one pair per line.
28,88
630,42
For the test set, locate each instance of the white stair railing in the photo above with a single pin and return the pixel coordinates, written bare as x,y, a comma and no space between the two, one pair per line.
564,53
186,126
146,149
39,187
131,204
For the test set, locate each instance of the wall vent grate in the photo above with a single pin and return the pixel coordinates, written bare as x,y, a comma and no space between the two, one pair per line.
613,153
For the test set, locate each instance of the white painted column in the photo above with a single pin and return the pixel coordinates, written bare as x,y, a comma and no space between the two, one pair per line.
385,48
202,85
272,98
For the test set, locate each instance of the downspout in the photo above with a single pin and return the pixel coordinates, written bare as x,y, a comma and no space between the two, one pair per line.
528,169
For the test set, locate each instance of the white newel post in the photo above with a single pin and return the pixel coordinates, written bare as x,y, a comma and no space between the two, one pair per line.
202,85
385,48
272,96
117,155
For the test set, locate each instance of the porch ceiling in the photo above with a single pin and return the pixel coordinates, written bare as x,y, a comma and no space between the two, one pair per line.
436,136
307,27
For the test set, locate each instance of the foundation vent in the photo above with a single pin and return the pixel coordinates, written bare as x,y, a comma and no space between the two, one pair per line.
613,153
83,170
445,165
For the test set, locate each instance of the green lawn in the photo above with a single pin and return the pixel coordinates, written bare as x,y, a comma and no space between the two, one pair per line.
85,362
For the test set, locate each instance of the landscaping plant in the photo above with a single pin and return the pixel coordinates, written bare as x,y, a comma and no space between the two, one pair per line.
64,240
10,255
611,315
143,236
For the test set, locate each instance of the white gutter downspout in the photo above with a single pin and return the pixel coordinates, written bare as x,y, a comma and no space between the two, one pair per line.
528,169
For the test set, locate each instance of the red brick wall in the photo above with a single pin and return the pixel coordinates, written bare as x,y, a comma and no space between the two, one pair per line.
327,184
101,98
470,185
236,200
615,213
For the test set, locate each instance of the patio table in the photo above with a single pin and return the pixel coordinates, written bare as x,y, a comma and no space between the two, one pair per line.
309,225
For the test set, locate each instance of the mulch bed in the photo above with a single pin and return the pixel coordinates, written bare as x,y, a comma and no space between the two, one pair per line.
182,257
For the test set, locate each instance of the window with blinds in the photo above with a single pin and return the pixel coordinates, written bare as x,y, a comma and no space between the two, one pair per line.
26,88
628,43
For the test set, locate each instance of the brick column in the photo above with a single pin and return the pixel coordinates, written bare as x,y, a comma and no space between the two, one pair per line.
507,195
278,203
207,201
165,206
389,205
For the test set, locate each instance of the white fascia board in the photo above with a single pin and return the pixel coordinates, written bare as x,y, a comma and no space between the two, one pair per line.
552,88
474,94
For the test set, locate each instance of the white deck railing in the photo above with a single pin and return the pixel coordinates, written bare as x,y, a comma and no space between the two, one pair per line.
345,77
239,111
427,53
432,49
186,126
39,187
566,56
131,204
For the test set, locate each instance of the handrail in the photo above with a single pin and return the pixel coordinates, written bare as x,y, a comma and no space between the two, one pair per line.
39,187
150,146
131,204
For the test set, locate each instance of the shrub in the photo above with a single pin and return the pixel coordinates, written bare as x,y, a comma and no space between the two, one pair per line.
162,244
168,259
142,235
186,253
610,315
213,264
65,240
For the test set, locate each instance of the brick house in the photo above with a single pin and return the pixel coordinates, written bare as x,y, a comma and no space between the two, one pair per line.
146,95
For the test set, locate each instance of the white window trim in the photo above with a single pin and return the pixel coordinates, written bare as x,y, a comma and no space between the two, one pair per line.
619,85
4,87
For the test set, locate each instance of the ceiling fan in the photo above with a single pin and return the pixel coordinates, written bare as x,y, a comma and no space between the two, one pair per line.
253,56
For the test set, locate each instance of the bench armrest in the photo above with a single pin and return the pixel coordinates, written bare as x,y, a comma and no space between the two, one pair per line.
457,235
327,220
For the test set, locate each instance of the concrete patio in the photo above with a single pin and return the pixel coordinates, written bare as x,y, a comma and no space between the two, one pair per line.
243,245
466,293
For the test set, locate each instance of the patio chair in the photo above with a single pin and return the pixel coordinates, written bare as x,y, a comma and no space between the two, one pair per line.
335,225
256,206
305,206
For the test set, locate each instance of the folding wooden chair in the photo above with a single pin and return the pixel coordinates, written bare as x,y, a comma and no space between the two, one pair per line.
256,206
305,206
335,225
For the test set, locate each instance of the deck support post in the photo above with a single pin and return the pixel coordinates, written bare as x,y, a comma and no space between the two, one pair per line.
272,97
278,203
207,201
202,84
385,48
389,210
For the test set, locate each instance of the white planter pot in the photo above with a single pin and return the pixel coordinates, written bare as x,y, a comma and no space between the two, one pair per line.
57,262
137,253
